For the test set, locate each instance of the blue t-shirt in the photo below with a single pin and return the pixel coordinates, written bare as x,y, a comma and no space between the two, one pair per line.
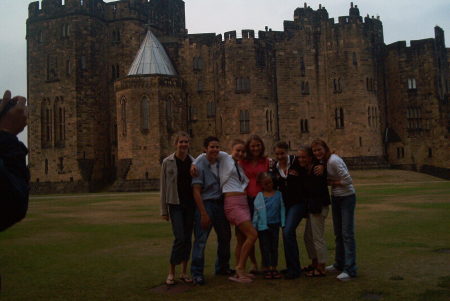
208,179
273,208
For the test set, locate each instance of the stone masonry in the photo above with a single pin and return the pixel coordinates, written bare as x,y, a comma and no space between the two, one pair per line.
375,104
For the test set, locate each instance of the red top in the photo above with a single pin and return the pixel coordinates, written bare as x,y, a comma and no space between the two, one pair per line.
251,171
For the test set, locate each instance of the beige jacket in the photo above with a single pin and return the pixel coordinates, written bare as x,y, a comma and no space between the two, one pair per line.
169,183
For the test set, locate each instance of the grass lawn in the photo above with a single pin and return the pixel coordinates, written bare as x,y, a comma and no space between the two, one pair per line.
115,247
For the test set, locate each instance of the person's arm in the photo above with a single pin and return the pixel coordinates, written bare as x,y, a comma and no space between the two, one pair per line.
341,170
205,221
163,193
282,211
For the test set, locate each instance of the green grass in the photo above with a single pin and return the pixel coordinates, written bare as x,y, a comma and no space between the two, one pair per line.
115,247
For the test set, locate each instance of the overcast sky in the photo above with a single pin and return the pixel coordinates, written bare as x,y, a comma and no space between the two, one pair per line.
402,20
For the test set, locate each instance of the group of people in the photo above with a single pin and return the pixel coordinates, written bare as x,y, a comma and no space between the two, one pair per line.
259,196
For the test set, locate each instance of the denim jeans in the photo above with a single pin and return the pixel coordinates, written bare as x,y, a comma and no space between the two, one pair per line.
268,243
223,231
344,231
294,215
182,219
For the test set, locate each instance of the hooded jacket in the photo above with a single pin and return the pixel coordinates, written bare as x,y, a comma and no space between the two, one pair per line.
14,180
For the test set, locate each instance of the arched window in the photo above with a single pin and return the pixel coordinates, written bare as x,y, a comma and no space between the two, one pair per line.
123,115
169,113
59,122
339,118
46,123
302,67
46,166
244,118
197,63
145,115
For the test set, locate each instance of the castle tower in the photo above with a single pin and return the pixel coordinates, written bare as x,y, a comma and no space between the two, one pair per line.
151,108
69,113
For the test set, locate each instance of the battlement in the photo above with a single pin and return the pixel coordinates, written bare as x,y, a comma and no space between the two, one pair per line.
166,15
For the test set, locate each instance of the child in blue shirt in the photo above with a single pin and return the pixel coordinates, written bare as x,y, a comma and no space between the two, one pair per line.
269,215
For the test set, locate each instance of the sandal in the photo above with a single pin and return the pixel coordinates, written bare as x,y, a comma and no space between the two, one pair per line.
185,278
276,274
238,279
268,274
170,280
309,268
315,273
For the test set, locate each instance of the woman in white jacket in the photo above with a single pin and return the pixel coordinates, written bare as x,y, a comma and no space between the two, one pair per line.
177,204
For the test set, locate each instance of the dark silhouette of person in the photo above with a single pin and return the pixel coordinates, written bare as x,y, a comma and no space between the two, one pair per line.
14,174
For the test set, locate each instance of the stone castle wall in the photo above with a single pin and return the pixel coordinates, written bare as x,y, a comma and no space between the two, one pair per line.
315,79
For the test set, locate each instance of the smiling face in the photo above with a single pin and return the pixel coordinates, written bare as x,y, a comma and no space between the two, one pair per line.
319,151
267,184
238,152
212,151
303,158
281,154
255,148
182,144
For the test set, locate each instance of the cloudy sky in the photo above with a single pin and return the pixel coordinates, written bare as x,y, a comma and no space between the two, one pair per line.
402,20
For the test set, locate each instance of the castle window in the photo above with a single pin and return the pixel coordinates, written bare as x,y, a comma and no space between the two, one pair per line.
46,123
355,60
116,36
65,31
68,67
360,141
59,121
302,67
83,63
269,121
339,118
412,84
260,58
242,85
400,152
81,2
46,166
145,115
244,121
430,153
123,115
192,113
197,63
304,128
40,37
61,165
199,85
337,85
414,116
115,72
211,109
169,113
52,68
305,87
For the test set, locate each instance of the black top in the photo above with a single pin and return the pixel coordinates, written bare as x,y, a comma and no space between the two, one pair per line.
316,190
14,180
184,180
290,187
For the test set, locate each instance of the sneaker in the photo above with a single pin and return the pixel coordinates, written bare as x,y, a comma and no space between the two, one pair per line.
199,280
343,276
331,268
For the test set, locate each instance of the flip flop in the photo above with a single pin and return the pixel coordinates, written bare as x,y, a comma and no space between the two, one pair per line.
170,280
185,278
315,273
238,279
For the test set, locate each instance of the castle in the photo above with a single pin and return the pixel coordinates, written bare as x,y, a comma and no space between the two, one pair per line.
110,83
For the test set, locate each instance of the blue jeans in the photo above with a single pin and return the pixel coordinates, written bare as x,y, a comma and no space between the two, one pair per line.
344,231
294,215
268,244
182,219
223,232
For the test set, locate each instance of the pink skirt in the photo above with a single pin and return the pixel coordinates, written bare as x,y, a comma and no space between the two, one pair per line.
236,209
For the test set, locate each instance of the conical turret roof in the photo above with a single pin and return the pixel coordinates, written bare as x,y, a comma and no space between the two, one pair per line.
151,58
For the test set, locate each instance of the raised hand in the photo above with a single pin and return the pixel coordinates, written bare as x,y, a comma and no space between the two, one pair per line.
13,113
